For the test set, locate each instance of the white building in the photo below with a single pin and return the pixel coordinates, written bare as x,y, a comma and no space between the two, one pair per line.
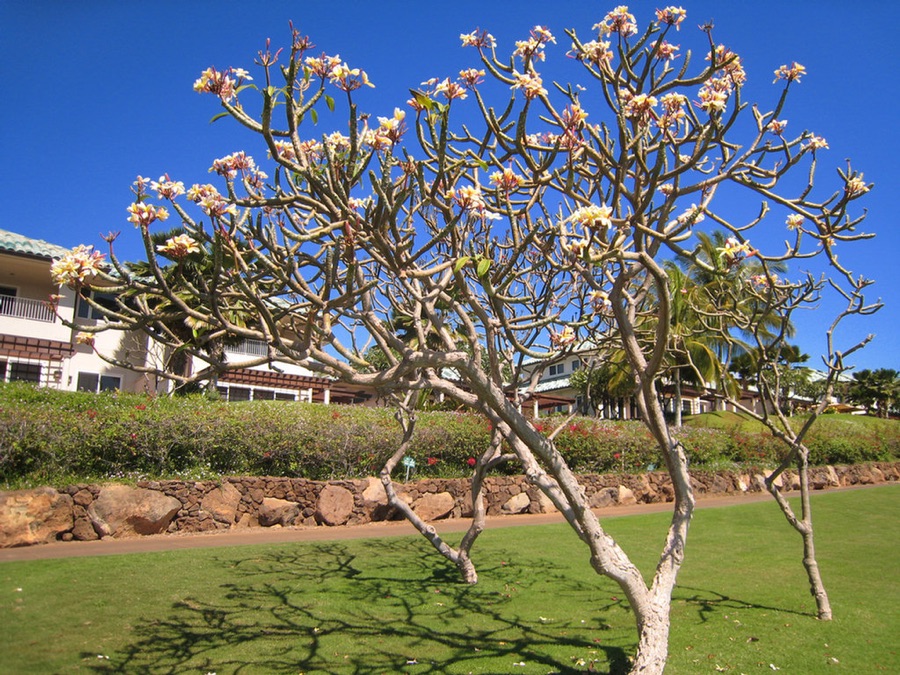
35,345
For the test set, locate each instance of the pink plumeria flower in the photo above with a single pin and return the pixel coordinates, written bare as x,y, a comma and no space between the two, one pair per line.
791,73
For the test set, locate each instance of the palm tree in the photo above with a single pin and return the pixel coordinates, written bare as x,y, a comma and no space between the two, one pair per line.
878,389
719,310
696,341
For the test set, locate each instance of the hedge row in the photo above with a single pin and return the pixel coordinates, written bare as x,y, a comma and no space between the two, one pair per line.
51,437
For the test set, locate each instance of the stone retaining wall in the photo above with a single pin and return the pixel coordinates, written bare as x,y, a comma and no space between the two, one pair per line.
86,512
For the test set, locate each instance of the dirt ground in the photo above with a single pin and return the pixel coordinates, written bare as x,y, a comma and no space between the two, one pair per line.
273,535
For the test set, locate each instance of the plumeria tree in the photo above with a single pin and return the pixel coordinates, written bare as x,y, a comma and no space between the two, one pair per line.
510,221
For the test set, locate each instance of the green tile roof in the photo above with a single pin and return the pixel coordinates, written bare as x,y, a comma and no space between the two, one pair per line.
19,243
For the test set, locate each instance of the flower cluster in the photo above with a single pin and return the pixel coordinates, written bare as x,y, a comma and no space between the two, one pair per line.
389,131
666,51
82,338
673,113
637,107
221,83
285,150
507,180
600,301
348,79
533,47
856,186
790,73
730,64
530,83
143,214
672,16
209,199
715,92
592,216
618,21
470,77
469,198
179,246
666,189
735,250
77,265
322,65
357,203
450,90
794,221
563,339
230,165
478,38
596,52
167,189
816,143
776,127
714,95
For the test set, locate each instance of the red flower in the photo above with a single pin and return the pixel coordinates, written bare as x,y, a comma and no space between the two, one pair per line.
617,455
432,461
141,406
470,461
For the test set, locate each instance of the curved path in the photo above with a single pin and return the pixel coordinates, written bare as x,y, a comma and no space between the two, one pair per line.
273,535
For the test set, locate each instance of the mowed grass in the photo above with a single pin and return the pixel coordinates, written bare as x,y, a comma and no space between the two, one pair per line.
393,606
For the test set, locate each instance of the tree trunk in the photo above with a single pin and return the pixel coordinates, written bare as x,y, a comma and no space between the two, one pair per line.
804,527
653,638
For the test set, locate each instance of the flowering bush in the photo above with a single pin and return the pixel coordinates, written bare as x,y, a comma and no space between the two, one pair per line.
51,437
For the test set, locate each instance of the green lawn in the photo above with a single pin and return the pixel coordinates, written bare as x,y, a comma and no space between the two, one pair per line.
391,606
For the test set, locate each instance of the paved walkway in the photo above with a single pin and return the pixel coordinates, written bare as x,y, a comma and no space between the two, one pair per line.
274,535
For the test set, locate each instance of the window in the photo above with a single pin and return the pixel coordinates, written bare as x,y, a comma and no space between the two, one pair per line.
86,311
557,369
2,371
238,394
24,372
233,393
93,382
576,365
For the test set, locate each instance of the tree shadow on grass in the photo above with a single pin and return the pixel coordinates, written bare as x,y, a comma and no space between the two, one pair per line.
315,610
710,602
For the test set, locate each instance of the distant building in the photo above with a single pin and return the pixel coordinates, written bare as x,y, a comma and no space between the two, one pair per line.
554,393
35,345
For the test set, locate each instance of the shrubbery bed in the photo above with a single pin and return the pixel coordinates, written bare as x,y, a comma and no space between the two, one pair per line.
52,437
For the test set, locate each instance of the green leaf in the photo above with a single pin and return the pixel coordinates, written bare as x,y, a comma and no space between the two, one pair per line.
423,100
329,102
483,266
314,116
481,164
218,117
462,262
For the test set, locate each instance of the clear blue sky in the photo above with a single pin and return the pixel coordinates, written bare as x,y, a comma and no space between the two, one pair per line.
97,92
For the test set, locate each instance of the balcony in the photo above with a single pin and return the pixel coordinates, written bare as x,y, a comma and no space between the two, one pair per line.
249,348
26,308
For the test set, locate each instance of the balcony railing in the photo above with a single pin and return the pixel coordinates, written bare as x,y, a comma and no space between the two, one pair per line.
26,308
249,348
